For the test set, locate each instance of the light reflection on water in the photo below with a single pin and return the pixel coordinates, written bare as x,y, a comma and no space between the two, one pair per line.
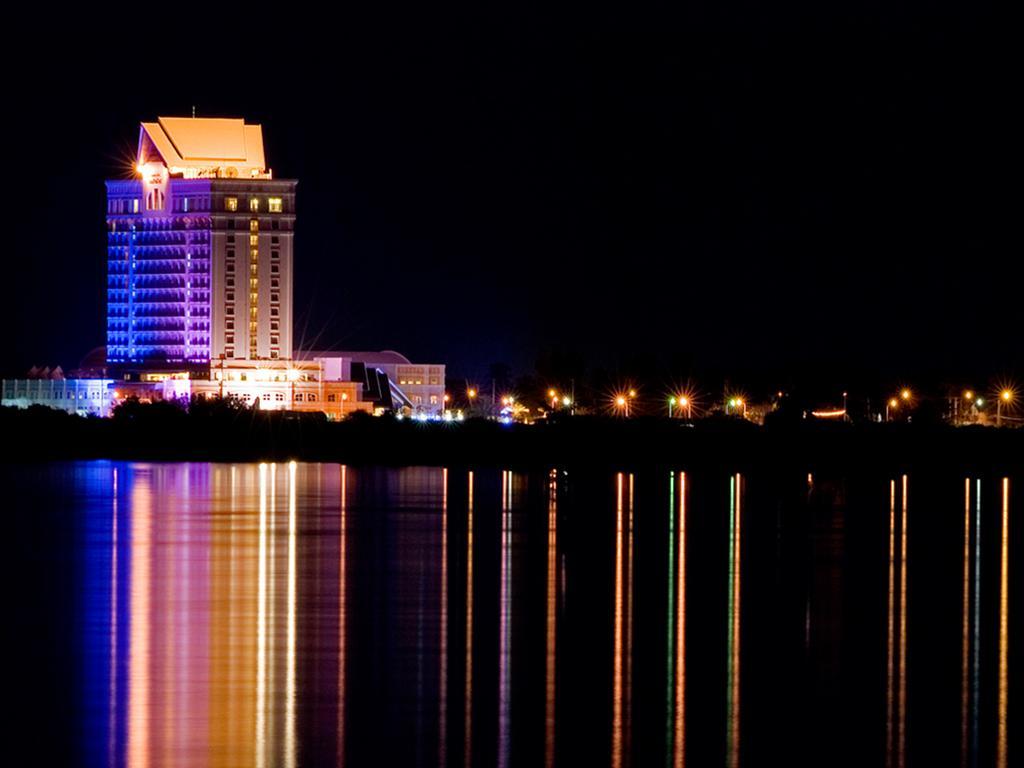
299,614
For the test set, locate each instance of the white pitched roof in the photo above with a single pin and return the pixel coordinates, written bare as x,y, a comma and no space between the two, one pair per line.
205,146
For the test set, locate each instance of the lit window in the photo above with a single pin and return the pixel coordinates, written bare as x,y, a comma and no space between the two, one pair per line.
230,203
254,240
274,204
135,205
254,204
254,225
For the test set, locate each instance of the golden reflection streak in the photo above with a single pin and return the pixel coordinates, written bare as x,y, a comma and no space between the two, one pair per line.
679,753
138,665
342,611
735,551
1004,633
552,600
901,733
617,644
628,704
468,699
290,693
442,714
965,629
890,636
112,633
261,627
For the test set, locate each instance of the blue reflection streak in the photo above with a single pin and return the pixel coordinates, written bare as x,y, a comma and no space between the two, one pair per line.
103,628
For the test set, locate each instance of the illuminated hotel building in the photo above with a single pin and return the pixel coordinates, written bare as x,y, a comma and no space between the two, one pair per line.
199,250
199,292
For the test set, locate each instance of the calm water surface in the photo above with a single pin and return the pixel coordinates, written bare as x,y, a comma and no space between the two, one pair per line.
316,615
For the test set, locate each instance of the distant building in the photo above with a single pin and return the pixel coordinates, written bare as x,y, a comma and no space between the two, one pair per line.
420,385
199,292
272,385
85,397
199,249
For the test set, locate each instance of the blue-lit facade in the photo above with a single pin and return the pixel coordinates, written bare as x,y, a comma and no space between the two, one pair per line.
159,273
199,251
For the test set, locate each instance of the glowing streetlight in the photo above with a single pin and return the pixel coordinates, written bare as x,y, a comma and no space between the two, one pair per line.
905,394
553,397
671,405
471,393
686,403
1005,398
622,403
893,404
566,401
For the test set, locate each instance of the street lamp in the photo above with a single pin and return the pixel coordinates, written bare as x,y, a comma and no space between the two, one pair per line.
893,404
905,394
1005,398
553,397
622,404
685,402
671,405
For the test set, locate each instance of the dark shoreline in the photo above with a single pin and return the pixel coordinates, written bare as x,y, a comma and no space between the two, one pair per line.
40,434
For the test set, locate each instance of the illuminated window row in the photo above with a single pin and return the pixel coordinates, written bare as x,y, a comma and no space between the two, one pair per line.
274,204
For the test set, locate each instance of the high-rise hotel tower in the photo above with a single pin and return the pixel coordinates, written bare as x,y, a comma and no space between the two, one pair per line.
199,250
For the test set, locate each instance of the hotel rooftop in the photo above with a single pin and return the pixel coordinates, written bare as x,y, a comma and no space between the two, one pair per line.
202,147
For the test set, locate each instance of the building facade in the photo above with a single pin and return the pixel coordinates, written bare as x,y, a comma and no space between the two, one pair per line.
199,250
84,397
420,385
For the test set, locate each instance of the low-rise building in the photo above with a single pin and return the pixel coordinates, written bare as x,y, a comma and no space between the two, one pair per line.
420,385
85,397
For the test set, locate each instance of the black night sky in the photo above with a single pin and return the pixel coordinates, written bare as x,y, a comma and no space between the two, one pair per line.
773,194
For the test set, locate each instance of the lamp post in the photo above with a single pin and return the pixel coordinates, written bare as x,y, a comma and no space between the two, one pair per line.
622,403
1005,397
671,405
685,402
893,404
